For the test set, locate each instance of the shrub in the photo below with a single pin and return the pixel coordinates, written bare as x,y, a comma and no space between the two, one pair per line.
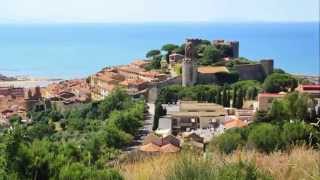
265,137
297,133
190,167
240,171
228,142
279,82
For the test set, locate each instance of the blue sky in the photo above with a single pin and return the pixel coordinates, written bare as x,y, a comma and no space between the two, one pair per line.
158,10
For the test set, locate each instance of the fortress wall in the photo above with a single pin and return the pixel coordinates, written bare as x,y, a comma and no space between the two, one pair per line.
251,72
154,89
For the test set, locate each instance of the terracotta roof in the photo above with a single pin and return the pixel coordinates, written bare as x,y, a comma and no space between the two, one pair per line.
172,140
195,106
140,62
235,123
149,148
169,148
150,138
195,137
270,94
212,69
197,114
132,82
311,87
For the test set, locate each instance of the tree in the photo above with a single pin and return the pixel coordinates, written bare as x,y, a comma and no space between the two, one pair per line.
153,53
276,82
265,137
278,111
169,48
297,105
234,97
225,96
227,142
210,55
218,97
159,111
297,133
155,63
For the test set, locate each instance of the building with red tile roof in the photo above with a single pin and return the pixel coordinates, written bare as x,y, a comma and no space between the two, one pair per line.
265,100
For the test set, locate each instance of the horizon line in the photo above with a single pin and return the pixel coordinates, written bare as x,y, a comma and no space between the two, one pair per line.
17,22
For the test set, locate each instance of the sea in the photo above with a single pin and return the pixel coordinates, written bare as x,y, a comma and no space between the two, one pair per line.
79,50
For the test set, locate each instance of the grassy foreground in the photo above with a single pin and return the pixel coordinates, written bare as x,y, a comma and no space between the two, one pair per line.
300,163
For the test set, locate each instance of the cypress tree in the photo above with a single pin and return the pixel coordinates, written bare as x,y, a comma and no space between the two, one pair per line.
228,98
224,97
234,97
240,98
218,97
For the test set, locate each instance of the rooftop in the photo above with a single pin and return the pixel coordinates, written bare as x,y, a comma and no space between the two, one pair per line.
212,69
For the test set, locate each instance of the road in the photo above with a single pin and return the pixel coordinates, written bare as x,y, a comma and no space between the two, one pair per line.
144,130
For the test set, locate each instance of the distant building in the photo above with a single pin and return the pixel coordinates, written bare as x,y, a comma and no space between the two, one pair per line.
193,115
312,89
234,123
175,58
265,100
12,91
133,77
207,74
140,63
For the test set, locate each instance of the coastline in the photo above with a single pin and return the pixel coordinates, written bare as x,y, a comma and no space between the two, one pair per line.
28,83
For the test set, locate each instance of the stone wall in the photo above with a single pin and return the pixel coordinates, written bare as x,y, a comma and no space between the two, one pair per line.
255,71
154,88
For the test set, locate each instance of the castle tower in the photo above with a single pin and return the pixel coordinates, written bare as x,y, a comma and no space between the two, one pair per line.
267,66
189,64
235,49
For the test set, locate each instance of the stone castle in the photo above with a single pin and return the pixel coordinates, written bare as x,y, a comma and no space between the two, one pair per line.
191,73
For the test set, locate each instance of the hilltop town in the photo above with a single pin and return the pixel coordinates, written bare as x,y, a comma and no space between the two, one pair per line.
200,95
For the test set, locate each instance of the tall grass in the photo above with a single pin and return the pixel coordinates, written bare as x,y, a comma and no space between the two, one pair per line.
299,163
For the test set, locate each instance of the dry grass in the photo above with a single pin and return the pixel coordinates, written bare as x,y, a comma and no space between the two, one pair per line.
299,163
152,168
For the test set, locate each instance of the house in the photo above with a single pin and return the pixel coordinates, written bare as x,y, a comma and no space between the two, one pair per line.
140,63
265,100
193,115
153,143
164,127
312,89
234,123
245,114
208,74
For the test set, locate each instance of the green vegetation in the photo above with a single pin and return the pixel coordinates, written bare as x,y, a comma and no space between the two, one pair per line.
189,167
286,124
237,92
153,53
89,138
210,55
293,106
207,54
279,82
